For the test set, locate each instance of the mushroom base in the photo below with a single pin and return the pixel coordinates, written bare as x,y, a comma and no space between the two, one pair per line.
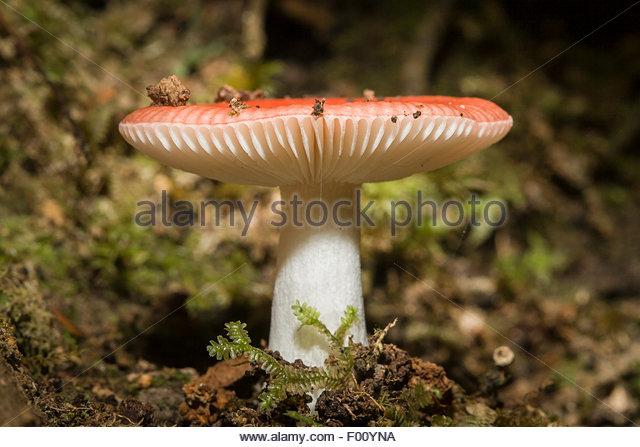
318,264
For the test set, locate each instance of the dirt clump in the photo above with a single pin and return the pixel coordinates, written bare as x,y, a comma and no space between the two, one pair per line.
207,396
236,107
318,108
388,383
169,92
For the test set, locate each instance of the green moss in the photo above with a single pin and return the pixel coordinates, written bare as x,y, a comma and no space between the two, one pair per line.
287,379
26,310
536,265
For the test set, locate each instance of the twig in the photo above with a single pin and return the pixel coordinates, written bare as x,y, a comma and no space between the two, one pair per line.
136,424
380,407
353,416
379,335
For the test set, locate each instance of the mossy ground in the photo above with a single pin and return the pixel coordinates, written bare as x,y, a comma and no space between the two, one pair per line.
390,388
52,383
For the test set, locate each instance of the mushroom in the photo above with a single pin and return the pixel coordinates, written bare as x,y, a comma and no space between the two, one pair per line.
316,150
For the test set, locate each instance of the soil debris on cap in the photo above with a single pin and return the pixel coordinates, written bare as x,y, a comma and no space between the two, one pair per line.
237,106
169,92
226,93
394,119
369,95
416,114
318,108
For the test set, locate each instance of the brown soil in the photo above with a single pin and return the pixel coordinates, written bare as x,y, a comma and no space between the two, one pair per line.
14,405
44,381
390,388
207,396
389,374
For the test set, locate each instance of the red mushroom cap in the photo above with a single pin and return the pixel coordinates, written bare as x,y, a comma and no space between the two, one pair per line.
298,141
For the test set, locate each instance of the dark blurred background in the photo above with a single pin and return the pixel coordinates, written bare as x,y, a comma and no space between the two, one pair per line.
561,279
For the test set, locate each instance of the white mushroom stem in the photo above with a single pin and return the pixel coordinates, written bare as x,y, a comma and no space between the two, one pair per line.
318,265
